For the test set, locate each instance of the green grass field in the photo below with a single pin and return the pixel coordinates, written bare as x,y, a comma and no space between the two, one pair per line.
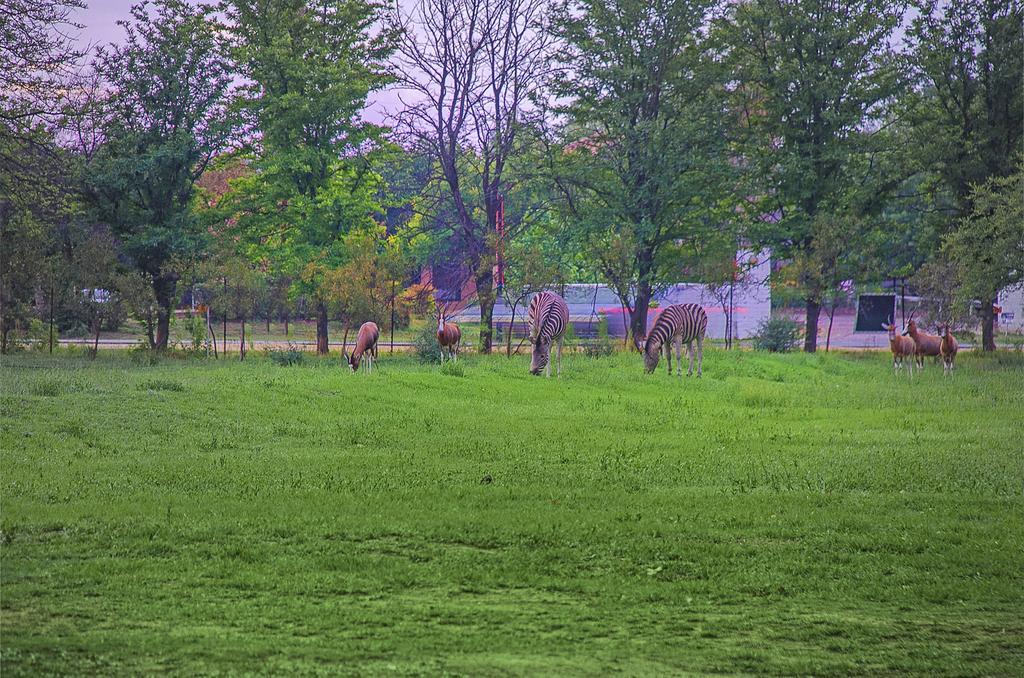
784,514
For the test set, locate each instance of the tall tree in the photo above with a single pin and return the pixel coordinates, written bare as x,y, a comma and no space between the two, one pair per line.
164,121
645,165
468,70
38,60
987,246
310,66
817,78
968,109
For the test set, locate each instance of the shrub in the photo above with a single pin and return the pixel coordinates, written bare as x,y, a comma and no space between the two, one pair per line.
285,357
142,354
603,345
426,346
453,369
777,335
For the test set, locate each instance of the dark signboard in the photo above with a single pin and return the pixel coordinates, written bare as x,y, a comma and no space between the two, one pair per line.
873,310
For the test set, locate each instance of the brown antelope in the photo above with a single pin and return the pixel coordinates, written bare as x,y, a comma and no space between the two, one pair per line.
366,345
924,344
947,349
902,348
449,336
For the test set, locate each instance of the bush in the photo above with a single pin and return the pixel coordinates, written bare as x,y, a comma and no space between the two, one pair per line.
453,369
142,354
777,335
604,345
285,357
426,346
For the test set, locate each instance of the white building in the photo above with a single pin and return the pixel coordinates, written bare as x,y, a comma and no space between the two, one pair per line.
1011,314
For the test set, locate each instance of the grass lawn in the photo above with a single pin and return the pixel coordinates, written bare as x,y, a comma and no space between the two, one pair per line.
784,514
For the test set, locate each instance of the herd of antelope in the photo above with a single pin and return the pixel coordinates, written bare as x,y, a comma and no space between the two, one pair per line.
678,324
915,345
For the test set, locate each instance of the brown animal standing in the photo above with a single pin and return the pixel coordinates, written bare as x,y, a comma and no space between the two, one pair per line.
924,344
903,348
449,336
366,345
947,349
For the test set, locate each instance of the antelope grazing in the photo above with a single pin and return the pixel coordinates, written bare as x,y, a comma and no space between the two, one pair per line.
901,347
947,349
924,344
449,336
548,318
677,324
366,344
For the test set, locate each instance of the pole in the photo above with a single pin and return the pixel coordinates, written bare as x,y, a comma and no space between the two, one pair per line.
728,321
51,313
903,300
392,317
500,227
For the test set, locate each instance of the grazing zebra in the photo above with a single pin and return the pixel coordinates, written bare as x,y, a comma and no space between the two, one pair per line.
366,344
548,317
677,324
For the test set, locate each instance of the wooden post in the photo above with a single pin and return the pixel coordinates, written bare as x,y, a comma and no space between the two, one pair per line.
51,312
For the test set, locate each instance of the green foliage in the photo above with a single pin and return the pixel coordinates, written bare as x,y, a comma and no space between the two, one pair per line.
987,246
426,347
784,512
645,163
369,283
309,66
286,357
778,334
818,78
453,369
165,119
967,116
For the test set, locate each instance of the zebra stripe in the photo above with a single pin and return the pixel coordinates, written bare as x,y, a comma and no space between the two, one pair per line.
548,318
678,324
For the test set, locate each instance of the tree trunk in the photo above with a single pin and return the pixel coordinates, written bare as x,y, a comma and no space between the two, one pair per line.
344,340
163,328
988,318
511,326
811,325
638,318
163,290
322,347
51,316
485,294
213,334
224,329
828,335
286,324
241,341
268,322
96,339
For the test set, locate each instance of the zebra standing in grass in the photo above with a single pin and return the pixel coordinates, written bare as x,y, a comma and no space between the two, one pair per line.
677,324
548,318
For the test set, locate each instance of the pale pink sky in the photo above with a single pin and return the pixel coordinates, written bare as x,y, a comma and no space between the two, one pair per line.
99,27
